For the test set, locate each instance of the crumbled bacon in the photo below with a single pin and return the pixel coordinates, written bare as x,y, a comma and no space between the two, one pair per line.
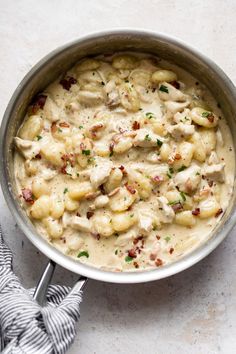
178,156
177,207
136,265
136,125
111,147
38,103
132,253
196,211
38,156
53,127
78,214
210,183
64,125
219,211
69,158
157,179
152,256
130,188
89,214
158,237
175,84
27,195
66,83
171,250
122,168
137,239
158,262
211,118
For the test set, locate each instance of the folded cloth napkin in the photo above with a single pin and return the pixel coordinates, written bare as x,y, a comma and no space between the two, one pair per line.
28,328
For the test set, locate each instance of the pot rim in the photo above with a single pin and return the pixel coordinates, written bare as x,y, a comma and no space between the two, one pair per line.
69,263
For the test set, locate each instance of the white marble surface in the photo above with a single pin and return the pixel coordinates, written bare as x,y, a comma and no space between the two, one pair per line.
195,311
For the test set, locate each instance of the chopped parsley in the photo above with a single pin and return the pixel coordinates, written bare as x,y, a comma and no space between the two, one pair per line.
183,196
91,160
128,259
174,202
86,152
59,130
170,172
65,190
197,174
80,127
131,216
102,83
116,252
147,138
111,153
39,137
150,115
182,168
83,254
206,114
159,142
163,88
167,238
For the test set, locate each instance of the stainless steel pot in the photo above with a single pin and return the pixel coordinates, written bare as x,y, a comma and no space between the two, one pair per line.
59,61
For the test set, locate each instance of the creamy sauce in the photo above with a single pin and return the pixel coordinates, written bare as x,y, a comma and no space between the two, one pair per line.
125,163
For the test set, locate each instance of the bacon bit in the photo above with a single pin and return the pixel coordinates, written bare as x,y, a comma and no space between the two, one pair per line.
196,212
132,253
27,195
158,262
210,183
177,207
171,250
175,84
211,118
78,214
93,130
64,125
158,237
95,235
157,179
115,191
136,265
111,147
70,158
38,156
136,125
130,189
137,239
178,156
152,256
89,214
66,83
54,127
219,211
38,103
122,168
63,239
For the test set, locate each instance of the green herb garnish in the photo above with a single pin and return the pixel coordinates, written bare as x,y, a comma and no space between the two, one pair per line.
131,216
65,190
111,153
159,143
147,138
91,160
206,114
163,88
86,152
83,254
150,115
39,137
197,174
59,130
174,202
128,259
182,168
116,252
80,127
183,196
167,238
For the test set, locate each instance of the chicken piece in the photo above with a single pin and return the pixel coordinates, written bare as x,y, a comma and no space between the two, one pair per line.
181,130
113,97
146,138
145,221
188,180
168,92
174,107
81,223
100,173
166,212
215,172
51,110
28,148
183,117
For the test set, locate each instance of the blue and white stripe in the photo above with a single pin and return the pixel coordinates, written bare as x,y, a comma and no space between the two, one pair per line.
28,328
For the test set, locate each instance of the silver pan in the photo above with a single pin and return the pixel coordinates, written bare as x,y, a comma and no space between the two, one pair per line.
59,61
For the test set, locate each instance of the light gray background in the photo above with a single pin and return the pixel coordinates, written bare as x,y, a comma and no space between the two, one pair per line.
195,311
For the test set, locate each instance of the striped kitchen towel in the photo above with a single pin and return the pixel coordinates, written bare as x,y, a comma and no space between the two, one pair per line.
28,328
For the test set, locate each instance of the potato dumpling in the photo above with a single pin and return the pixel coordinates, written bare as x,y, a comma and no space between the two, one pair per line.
124,62
185,218
41,207
114,180
88,64
57,207
123,199
53,153
54,228
102,224
80,190
123,221
208,207
163,75
129,97
204,118
31,128
40,187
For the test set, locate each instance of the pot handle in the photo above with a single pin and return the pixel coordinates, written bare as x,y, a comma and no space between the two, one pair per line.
42,286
